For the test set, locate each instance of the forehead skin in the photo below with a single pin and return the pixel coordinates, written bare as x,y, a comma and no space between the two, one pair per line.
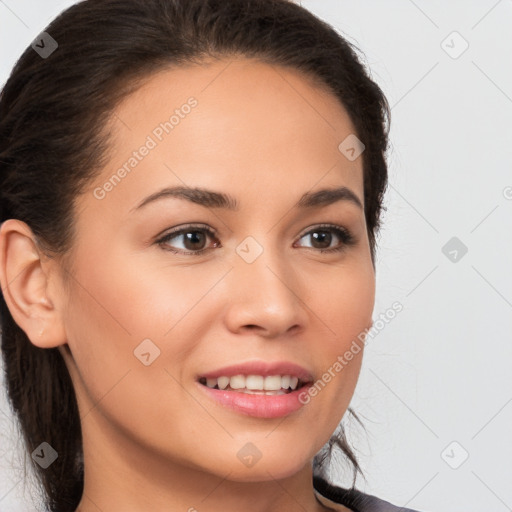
253,125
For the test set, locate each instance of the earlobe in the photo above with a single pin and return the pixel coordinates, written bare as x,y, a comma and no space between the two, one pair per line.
25,283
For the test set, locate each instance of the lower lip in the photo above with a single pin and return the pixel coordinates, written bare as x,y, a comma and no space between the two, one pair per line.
259,406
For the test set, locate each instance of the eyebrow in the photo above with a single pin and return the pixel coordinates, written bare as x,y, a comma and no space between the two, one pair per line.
212,199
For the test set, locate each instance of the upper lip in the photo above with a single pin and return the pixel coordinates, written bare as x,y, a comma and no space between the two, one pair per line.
264,368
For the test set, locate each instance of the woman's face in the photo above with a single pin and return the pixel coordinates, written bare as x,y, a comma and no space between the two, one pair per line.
146,318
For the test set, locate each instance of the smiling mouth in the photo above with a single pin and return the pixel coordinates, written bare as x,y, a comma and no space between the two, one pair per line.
255,384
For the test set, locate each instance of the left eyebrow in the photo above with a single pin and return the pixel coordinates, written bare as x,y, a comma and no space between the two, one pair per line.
327,196
212,199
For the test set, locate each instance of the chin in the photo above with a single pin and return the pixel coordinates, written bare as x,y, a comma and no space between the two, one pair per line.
263,473
278,464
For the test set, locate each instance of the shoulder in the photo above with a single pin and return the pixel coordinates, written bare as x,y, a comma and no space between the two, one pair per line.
357,501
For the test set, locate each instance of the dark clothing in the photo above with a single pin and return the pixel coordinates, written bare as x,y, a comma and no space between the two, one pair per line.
357,501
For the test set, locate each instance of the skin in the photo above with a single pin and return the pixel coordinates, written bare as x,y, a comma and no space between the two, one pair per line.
152,439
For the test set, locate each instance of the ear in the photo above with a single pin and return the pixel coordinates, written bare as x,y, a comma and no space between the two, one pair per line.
25,274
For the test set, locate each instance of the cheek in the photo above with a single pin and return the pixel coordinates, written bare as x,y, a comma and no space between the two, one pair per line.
345,309
130,297
116,304
345,304
112,307
107,322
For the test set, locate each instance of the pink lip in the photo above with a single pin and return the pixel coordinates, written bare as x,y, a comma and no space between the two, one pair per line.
263,368
260,406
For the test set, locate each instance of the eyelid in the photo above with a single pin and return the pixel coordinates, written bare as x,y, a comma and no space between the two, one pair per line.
184,227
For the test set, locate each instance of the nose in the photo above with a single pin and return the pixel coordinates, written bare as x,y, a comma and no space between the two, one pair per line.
265,298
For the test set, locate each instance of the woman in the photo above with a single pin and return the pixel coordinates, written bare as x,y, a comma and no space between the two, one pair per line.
191,193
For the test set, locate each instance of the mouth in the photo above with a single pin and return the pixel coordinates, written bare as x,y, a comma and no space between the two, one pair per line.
270,385
259,389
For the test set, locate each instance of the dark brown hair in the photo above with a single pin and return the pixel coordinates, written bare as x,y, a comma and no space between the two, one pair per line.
53,114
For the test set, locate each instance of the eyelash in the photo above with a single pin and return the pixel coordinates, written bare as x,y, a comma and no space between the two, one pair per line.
344,234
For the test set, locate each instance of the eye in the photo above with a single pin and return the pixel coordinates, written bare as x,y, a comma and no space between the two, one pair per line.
194,237
322,237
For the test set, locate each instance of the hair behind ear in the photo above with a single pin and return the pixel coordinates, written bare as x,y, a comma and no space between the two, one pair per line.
44,397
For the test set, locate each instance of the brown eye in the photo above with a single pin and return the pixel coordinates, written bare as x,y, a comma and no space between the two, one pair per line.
193,240
323,236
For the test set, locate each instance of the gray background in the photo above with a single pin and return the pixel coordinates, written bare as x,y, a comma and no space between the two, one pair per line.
436,384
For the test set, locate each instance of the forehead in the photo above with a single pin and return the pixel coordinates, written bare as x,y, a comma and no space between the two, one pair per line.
232,122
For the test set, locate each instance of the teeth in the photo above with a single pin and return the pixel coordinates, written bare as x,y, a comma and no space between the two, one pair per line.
211,382
222,382
237,382
272,383
255,384
250,392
